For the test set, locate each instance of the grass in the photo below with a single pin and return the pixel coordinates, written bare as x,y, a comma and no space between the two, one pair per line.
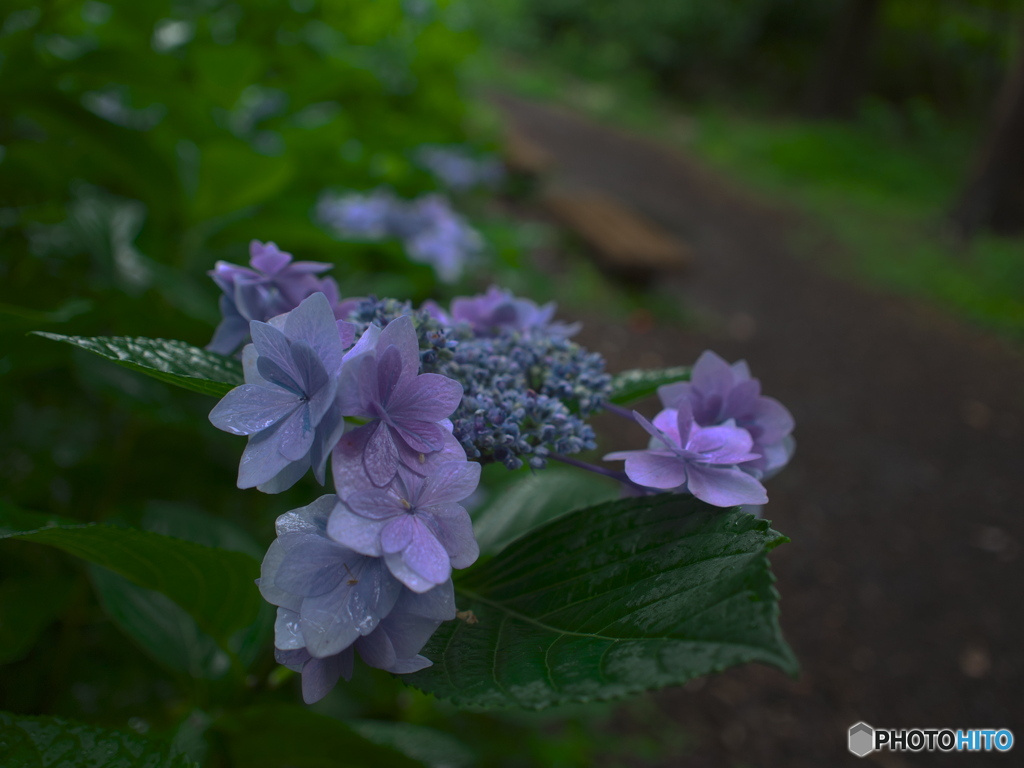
877,187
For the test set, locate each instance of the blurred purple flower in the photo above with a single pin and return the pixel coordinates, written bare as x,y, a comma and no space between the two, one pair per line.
440,237
369,216
718,393
498,310
287,406
701,460
432,232
381,381
274,285
416,525
457,169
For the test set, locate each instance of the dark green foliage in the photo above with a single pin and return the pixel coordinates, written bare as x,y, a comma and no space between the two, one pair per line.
608,601
37,742
214,586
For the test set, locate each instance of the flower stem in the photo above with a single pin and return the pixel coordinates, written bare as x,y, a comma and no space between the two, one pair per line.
620,476
618,410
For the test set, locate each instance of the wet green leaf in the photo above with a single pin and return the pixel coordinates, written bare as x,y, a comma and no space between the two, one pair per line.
608,601
630,386
174,362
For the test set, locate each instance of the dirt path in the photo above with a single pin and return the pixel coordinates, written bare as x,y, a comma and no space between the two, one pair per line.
903,587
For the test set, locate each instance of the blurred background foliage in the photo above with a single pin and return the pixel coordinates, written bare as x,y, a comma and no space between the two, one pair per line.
141,142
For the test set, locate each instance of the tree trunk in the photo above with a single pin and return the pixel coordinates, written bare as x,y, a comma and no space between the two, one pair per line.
839,79
993,197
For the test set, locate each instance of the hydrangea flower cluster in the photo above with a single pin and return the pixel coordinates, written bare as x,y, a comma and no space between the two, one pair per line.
717,437
271,285
405,405
458,169
431,231
527,389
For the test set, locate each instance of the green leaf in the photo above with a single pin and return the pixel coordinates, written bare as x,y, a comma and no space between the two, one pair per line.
608,601
630,386
214,585
27,606
174,362
431,747
537,499
35,742
271,736
163,629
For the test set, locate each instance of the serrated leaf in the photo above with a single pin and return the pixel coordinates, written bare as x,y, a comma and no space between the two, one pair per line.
535,500
630,386
608,601
35,742
174,362
271,736
214,585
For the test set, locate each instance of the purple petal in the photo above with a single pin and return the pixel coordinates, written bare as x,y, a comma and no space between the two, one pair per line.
389,371
381,456
272,593
295,434
249,409
357,385
347,462
273,347
376,649
397,534
724,487
367,342
455,532
293,659
356,532
313,324
401,333
286,478
420,436
376,504
712,375
426,556
654,469
313,566
328,433
671,394
319,676
267,257
450,481
261,459
309,519
667,421
660,438
287,631
428,397
406,575
332,622
723,445
742,399
437,604
773,418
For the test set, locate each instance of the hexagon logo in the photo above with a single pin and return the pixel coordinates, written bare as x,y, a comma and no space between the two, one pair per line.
862,739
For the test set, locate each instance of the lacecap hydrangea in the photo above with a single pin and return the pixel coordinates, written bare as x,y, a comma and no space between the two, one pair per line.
404,404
